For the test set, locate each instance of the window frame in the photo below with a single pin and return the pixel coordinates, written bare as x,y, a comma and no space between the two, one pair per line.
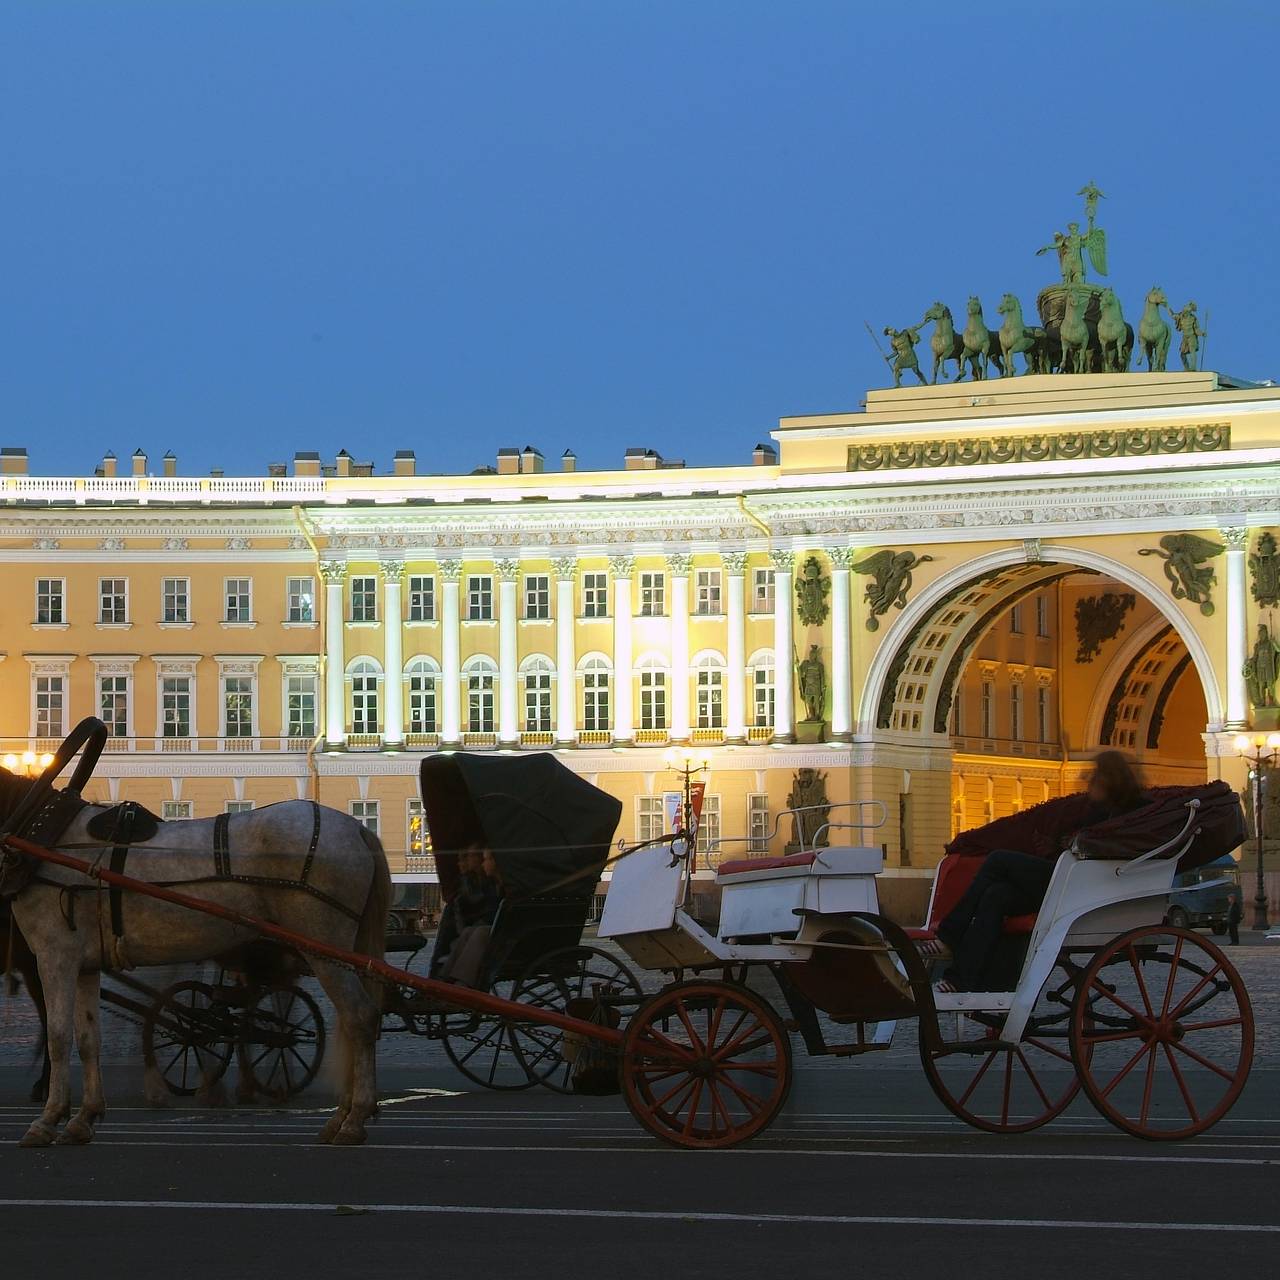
422,597
303,615
537,599
364,598
241,611
181,591
122,596
479,598
763,589
653,593
595,594
60,595
708,592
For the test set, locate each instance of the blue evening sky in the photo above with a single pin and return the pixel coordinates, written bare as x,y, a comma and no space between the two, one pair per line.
245,228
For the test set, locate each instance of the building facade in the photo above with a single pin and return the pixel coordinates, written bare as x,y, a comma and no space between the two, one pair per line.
993,579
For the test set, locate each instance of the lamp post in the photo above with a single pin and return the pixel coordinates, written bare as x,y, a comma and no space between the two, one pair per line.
688,763
1260,752
28,764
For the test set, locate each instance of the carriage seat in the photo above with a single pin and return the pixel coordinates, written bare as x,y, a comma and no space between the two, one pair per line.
835,860
956,873
738,865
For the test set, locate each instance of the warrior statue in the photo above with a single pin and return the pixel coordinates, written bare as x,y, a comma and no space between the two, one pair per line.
1262,668
808,794
813,685
903,342
1187,324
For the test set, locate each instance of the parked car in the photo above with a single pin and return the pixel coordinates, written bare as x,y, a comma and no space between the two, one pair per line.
1199,897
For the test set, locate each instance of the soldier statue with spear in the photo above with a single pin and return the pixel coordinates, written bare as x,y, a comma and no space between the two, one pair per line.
903,342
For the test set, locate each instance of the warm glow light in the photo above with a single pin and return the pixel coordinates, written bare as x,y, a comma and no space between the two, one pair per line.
1273,741
28,759
10,762
45,761
1241,743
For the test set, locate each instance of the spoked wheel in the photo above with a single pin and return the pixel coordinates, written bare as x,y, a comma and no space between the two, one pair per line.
281,1041
705,1064
189,1037
1006,1088
1163,1033
566,981
483,1047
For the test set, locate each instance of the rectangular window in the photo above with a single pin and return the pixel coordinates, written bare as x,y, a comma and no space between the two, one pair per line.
479,598
239,806
113,601
758,828
300,600
51,595
762,695
237,707
176,810
537,702
709,827
300,706
422,702
653,699
1015,620
537,596
653,592
364,703
595,700
175,706
595,595
175,600
418,841
364,599
480,702
50,707
113,704
1042,616
707,598
366,812
1015,712
762,591
651,815
710,698
988,710
422,598
1042,713
237,598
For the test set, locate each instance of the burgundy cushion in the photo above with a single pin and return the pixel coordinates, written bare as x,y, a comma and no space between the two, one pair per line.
766,864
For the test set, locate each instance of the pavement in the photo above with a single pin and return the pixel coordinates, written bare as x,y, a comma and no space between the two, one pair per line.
864,1171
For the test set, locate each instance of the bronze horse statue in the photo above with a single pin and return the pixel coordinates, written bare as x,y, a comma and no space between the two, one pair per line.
946,344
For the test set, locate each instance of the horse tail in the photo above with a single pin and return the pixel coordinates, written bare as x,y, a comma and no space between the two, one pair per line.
371,931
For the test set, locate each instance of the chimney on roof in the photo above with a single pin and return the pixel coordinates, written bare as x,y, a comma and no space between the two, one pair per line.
139,463
109,464
342,464
13,460
764,455
637,459
568,461
406,463
277,470
531,461
170,463
306,463
508,462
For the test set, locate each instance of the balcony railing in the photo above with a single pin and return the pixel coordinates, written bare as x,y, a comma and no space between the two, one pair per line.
760,733
652,737
537,739
364,741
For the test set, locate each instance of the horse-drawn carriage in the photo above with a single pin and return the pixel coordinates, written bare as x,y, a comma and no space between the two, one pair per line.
1151,1022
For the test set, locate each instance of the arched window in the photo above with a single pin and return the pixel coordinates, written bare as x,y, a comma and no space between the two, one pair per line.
481,675
422,676
708,668
760,672
653,693
366,677
535,672
596,677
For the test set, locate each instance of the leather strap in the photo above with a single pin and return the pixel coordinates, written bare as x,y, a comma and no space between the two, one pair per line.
315,841
221,845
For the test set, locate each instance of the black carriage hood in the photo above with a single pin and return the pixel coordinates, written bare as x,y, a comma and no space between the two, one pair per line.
544,823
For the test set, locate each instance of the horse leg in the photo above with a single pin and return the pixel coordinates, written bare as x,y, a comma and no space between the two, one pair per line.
93,1105
58,975
358,1021
31,976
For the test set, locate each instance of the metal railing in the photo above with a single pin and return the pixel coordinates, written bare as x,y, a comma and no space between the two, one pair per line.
759,843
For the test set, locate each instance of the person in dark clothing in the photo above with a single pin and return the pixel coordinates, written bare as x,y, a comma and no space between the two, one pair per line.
476,905
1235,913
1013,883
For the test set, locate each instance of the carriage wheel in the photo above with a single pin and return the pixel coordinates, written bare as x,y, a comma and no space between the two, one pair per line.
1170,1041
705,1064
281,1041
1007,1088
553,981
189,1037
483,1047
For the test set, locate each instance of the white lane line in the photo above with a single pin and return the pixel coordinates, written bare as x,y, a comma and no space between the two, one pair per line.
757,1149
647,1215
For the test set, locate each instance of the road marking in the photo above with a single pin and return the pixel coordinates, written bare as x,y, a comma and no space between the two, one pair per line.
646,1215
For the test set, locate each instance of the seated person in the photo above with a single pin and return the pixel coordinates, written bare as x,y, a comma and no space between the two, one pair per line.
1013,883
474,907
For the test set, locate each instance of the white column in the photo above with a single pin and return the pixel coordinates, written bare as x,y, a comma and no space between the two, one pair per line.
566,686
841,693
783,658
1237,540
735,564
334,573
450,668
623,722
392,654
508,657
679,566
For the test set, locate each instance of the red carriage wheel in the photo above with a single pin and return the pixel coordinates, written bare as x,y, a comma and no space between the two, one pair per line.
705,1064
1005,1088
1162,1033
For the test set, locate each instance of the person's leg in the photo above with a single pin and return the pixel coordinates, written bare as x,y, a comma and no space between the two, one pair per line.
1025,872
466,960
979,940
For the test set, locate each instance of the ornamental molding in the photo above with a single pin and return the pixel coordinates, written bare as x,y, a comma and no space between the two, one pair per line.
782,561
299,664
237,664
176,665
679,564
450,570
622,566
735,563
50,664
508,570
566,568
334,572
113,664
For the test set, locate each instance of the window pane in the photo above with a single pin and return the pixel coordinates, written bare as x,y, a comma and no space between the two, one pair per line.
479,598
364,599
237,600
422,598
300,600
300,698
113,704
49,601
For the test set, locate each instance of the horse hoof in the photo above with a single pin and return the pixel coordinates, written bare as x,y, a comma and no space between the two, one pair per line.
349,1137
76,1134
331,1129
39,1135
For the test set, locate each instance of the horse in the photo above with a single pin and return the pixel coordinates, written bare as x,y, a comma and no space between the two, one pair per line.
1115,337
1153,332
18,961
976,341
1016,338
945,342
1073,333
312,870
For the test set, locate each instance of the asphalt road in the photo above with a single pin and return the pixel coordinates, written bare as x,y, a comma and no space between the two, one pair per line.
864,1173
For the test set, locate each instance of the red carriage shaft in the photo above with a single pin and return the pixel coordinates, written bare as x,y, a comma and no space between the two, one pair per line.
446,992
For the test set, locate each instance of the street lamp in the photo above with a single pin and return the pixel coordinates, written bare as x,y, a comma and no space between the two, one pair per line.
28,764
1260,752
688,763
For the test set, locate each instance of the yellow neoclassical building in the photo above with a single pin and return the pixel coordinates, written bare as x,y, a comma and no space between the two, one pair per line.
945,601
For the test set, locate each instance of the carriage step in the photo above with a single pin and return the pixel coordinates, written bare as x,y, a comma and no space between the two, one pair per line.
975,1001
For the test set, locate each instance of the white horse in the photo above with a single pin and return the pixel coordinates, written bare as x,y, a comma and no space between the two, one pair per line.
263,857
